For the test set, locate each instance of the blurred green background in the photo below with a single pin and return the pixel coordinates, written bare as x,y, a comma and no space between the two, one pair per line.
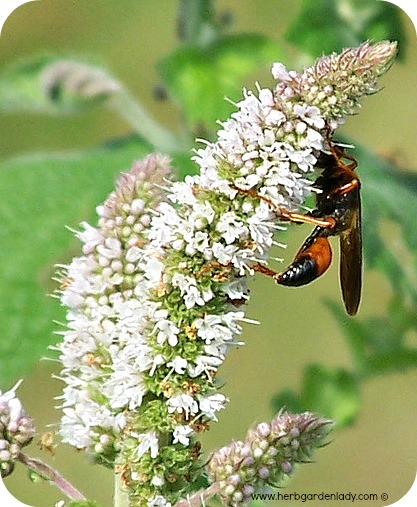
379,453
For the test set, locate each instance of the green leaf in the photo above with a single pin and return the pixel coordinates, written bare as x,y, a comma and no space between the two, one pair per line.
331,392
54,85
378,344
324,26
40,196
200,78
287,399
334,393
386,196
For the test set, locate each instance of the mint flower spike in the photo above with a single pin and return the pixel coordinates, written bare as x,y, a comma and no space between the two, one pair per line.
16,429
266,457
156,301
102,348
336,83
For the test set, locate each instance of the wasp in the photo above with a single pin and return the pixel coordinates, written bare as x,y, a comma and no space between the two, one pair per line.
337,213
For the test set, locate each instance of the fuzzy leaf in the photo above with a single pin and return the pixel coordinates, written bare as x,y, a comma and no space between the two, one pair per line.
324,26
200,78
379,343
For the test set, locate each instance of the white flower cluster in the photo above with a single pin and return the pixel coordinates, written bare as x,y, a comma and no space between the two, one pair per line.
154,303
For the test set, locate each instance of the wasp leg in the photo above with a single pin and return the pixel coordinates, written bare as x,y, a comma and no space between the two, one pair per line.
305,218
345,189
338,154
286,215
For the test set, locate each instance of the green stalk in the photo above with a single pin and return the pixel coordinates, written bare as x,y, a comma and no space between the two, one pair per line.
132,111
121,498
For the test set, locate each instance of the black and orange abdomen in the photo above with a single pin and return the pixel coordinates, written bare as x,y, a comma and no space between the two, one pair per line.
313,259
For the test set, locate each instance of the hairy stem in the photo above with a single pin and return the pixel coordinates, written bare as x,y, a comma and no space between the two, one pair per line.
52,476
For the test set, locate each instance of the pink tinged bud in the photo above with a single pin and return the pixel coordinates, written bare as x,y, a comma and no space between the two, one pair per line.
272,451
248,489
263,429
5,455
137,206
13,426
295,444
263,472
287,467
237,497
257,452
248,461
229,490
234,479
295,432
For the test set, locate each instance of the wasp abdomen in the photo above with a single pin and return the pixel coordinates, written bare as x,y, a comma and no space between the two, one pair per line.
300,272
312,260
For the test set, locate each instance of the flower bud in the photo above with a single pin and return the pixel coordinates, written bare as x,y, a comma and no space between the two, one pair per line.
16,429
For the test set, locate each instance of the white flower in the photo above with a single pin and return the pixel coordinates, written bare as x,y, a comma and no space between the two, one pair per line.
231,227
167,331
212,327
279,72
224,254
158,501
205,364
182,403
154,270
209,405
157,361
148,442
188,289
181,434
178,364
236,289
310,114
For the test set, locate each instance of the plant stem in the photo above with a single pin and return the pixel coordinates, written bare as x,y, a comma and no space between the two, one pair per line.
121,498
52,476
145,125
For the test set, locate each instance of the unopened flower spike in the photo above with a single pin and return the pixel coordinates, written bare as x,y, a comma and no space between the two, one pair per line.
156,301
16,430
266,457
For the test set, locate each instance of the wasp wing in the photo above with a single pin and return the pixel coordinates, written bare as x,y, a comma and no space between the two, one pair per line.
351,257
